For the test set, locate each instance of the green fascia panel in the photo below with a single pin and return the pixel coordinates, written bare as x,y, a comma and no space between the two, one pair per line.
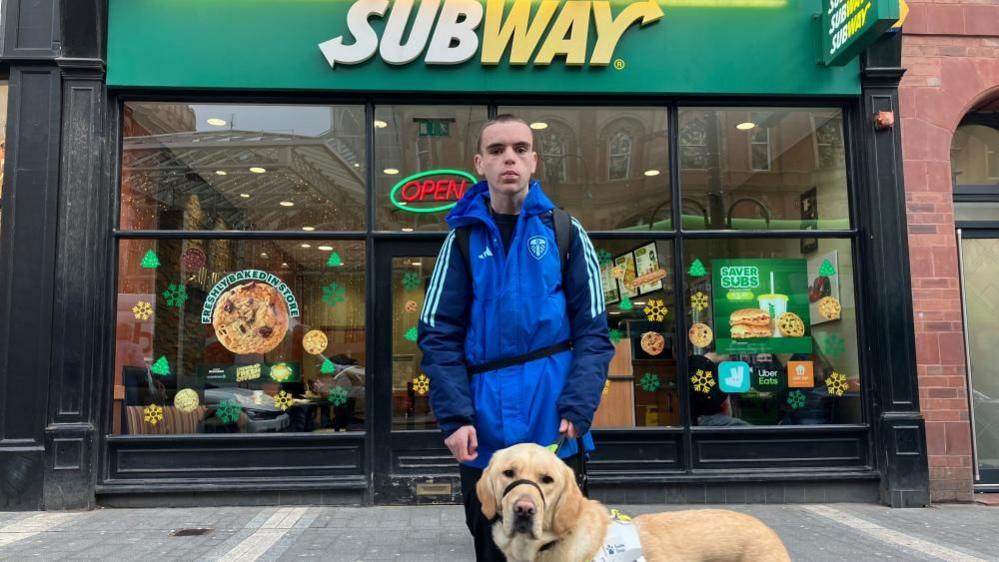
699,47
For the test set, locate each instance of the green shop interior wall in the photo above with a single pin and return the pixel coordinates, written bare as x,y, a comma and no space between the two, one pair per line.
733,47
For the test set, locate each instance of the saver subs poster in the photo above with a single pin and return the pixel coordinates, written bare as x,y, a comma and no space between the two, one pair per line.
761,306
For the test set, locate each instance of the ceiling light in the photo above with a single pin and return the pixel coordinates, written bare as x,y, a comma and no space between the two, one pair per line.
306,245
615,313
216,122
746,126
651,173
258,170
221,172
284,264
407,229
244,195
379,124
308,228
325,248
539,125
287,203
263,254
416,263
390,171
357,164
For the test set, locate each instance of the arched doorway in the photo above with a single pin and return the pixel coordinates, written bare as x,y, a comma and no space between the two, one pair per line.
975,174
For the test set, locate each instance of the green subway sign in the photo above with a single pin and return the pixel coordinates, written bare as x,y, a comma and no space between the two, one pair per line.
850,26
432,191
670,47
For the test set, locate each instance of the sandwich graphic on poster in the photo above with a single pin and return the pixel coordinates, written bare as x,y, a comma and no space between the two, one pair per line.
761,306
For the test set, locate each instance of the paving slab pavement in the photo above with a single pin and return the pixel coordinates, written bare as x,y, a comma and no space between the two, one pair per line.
812,532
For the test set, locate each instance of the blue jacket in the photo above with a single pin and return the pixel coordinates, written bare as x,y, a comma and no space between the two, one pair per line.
512,305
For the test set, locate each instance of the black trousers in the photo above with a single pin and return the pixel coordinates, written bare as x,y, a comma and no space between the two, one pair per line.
478,525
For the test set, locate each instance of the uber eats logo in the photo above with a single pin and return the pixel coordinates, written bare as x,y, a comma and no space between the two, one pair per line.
446,32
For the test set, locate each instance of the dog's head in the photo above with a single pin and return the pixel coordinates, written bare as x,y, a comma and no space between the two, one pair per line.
531,490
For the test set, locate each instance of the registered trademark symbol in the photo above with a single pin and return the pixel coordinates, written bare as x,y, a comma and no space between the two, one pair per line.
618,64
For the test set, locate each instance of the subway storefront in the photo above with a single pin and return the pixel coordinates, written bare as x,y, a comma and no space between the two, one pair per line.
278,175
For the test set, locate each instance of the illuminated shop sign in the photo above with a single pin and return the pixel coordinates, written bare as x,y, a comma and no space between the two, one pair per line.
849,26
431,191
454,39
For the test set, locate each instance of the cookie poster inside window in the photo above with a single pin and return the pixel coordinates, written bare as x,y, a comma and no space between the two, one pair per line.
249,311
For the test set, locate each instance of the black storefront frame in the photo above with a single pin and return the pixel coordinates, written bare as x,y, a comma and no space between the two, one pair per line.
686,478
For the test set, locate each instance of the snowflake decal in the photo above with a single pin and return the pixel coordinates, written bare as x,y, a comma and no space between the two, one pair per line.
411,281
703,381
283,400
333,293
411,334
650,382
228,411
153,414
142,310
338,396
421,384
655,310
698,301
615,336
836,384
604,257
833,345
175,295
796,399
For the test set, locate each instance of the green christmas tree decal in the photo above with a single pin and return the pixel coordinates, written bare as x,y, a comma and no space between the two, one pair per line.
697,269
338,396
615,336
150,261
161,367
334,260
328,368
411,334
827,269
650,382
626,303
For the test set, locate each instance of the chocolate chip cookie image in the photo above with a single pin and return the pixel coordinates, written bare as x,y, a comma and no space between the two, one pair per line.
250,318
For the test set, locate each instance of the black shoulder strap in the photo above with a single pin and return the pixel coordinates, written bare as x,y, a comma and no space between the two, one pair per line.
562,223
463,236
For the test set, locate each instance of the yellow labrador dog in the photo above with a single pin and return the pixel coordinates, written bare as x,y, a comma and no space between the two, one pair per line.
538,513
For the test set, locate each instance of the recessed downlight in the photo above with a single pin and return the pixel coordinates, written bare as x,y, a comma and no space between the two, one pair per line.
407,229
652,173
390,171
308,228
221,173
258,170
216,122
746,126
379,124
325,248
287,203
539,125
306,245
263,254
244,195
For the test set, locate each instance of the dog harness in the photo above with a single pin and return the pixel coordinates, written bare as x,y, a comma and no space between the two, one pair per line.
621,543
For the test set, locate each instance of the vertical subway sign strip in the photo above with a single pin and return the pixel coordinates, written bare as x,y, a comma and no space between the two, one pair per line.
850,26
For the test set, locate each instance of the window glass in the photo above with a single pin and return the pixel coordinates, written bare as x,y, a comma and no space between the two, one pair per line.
239,336
242,167
974,155
763,169
3,140
423,163
642,386
772,332
410,387
976,211
607,166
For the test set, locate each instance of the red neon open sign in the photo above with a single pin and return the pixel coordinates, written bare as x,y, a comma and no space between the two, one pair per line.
432,186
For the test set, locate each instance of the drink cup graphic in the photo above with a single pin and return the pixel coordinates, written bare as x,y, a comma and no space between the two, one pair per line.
775,305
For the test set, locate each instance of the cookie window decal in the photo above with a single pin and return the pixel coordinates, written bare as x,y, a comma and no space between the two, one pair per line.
250,311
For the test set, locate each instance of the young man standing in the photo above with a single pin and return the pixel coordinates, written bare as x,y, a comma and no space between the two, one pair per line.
515,344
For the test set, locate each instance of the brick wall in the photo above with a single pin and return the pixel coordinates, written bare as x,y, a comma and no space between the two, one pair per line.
951,53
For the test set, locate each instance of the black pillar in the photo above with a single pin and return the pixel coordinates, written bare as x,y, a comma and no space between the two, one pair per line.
899,429
53,264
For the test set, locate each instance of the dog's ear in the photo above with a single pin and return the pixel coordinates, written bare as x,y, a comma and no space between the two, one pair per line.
484,490
569,505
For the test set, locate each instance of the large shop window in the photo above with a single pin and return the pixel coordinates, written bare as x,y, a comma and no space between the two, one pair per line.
243,333
607,166
763,169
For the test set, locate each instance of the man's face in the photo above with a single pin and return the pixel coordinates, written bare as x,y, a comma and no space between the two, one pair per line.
506,157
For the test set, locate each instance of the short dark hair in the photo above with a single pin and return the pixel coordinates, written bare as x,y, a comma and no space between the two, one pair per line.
501,118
